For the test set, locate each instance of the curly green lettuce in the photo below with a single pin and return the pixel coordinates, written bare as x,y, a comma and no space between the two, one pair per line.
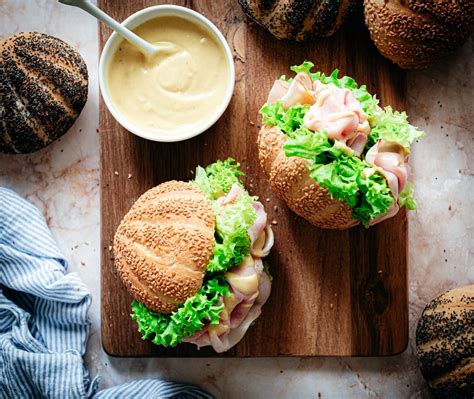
232,245
390,125
232,242
332,164
217,179
346,177
405,198
169,329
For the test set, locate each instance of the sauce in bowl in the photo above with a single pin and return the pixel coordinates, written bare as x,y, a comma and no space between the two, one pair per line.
179,89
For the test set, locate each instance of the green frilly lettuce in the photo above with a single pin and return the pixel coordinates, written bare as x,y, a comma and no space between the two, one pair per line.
169,330
332,164
232,244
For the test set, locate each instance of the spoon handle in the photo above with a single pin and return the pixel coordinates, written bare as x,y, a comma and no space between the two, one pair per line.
136,40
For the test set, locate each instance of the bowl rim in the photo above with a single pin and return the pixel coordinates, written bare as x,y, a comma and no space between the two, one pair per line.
136,19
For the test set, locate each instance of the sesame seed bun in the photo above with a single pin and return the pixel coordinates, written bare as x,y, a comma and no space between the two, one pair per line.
164,244
289,178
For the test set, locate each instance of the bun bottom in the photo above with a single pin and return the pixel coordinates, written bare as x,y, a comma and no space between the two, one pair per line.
289,178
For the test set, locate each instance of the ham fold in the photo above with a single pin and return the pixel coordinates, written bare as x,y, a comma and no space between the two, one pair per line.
340,114
390,159
296,92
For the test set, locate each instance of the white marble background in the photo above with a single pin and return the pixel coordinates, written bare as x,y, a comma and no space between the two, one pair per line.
63,181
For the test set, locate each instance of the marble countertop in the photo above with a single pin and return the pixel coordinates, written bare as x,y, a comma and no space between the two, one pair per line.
63,181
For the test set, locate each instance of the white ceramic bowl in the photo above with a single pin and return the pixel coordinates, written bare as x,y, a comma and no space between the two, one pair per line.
132,22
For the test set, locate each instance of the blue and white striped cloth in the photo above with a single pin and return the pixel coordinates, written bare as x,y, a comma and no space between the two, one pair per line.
43,318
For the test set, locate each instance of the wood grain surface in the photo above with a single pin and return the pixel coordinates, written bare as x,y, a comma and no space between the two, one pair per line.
334,292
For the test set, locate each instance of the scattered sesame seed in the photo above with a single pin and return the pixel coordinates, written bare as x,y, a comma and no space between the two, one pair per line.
267,199
274,222
129,176
116,173
110,248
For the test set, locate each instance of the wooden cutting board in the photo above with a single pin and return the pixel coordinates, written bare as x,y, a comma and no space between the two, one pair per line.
334,292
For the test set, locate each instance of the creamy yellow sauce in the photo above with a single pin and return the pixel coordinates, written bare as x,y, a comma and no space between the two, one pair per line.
176,91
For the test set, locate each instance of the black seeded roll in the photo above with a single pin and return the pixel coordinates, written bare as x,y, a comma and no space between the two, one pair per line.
43,85
299,19
445,343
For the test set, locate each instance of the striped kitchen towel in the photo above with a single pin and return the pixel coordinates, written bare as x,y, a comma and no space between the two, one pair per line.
43,318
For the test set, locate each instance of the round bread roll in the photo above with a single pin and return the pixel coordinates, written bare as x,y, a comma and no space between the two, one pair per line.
416,33
298,19
289,178
445,343
44,84
164,244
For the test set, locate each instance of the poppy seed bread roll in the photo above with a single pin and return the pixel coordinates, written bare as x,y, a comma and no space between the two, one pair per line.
445,343
289,178
163,245
299,19
44,83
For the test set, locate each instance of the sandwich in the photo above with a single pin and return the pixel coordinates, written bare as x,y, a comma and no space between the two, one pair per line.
332,154
190,253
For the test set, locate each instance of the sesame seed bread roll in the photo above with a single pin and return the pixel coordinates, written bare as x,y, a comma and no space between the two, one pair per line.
164,244
289,178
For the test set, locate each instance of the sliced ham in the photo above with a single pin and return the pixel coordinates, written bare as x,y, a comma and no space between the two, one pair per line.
262,245
340,114
234,193
357,143
224,342
250,289
260,221
249,286
296,92
278,90
390,159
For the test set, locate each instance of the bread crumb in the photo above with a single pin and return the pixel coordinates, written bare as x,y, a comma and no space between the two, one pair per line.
116,173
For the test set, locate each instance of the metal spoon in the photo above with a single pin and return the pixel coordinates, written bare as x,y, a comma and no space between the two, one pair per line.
148,49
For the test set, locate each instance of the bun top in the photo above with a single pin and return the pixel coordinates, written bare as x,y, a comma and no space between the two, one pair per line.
164,244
